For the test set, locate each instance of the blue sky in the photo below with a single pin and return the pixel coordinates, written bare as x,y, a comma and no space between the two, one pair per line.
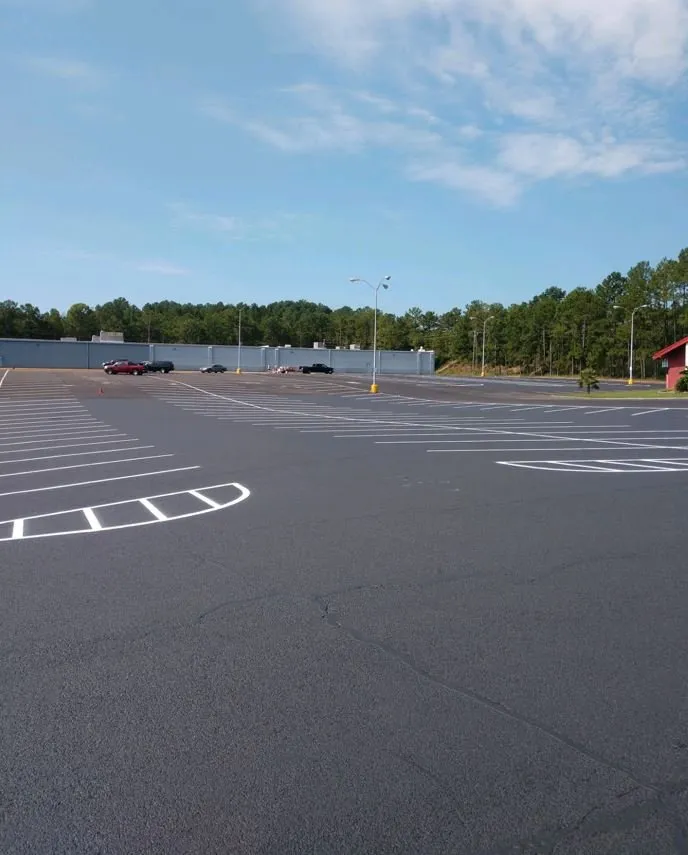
257,150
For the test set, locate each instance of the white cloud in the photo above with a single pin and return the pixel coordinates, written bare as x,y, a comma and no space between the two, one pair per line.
323,120
231,227
487,96
641,38
500,188
542,156
162,268
384,105
216,108
70,70
54,6
159,267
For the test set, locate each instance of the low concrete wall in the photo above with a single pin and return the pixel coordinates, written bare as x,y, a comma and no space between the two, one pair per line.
30,353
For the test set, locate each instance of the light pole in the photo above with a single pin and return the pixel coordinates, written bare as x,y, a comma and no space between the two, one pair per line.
491,318
383,283
630,360
475,343
238,368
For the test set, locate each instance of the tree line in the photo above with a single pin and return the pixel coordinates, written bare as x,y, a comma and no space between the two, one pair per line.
553,333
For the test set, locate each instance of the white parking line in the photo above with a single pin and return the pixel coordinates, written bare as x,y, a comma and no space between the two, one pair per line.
30,401
110,433
607,466
494,440
157,513
6,407
61,434
93,520
72,445
75,454
211,502
643,464
4,377
83,465
12,432
94,524
53,421
381,434
585,448
99,481
577,465
649,412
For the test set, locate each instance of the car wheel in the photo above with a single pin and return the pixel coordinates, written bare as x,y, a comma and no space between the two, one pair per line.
108,370
136,373
165,370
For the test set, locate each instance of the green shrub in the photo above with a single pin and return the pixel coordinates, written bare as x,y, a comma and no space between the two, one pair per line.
682,382
588,380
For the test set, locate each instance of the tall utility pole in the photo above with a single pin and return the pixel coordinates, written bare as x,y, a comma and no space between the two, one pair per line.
631,343
630,359
475,345
491,318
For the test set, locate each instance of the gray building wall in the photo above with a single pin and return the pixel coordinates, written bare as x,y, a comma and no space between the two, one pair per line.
30,353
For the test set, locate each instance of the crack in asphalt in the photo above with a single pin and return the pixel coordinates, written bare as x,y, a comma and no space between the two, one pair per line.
242,601
443,785
482,700
658,801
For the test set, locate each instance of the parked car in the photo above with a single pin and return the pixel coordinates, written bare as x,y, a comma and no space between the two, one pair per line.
112,362
316,368
126,366
213,369
164,366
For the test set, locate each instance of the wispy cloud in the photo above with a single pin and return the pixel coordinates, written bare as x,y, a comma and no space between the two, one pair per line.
53,6
162,268
495,163
155,266
487,96
323,121
229,226
641,39
232,227
71,71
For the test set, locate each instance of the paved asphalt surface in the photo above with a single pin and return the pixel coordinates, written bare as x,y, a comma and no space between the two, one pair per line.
447,618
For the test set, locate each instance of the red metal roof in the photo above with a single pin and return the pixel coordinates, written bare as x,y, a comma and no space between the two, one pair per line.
669,348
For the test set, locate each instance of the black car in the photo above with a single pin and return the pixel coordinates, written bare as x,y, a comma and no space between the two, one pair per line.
164,366
214,369
316,368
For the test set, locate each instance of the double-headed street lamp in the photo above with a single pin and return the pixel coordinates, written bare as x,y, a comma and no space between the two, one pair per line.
491,318
383,283
630,350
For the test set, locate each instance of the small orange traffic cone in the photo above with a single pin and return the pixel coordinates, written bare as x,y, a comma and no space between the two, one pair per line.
100,391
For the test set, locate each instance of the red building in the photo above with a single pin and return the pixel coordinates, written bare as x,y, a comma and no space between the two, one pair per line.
675,359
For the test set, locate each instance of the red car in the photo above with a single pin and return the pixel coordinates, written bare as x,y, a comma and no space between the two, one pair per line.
126,366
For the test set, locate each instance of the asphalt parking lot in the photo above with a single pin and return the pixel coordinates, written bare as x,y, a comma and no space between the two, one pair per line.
242,615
